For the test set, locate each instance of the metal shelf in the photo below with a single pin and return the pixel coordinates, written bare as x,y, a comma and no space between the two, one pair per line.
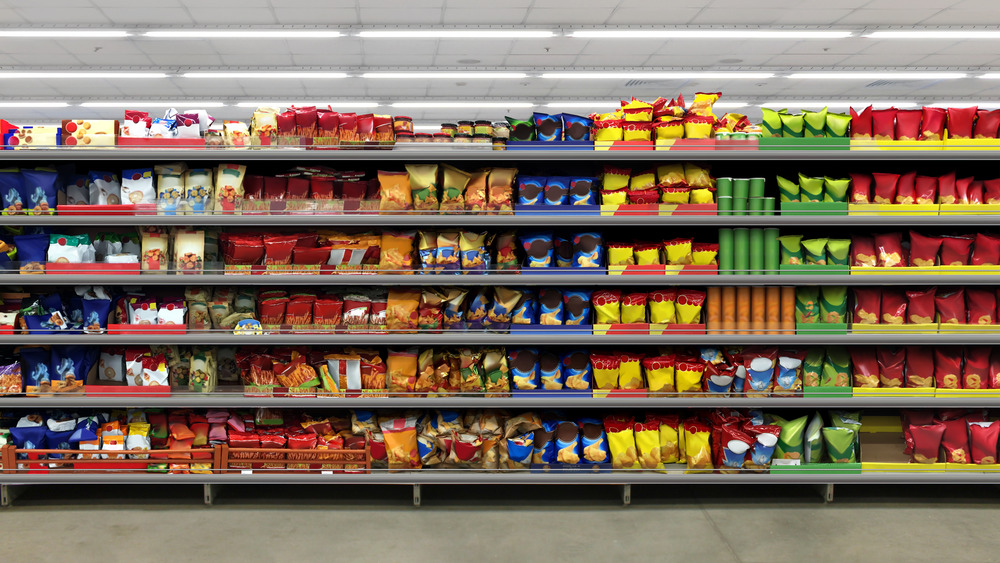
455,153
221,400
480,221
500,339
566,280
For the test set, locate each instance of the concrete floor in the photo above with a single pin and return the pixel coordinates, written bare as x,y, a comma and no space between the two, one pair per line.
723,524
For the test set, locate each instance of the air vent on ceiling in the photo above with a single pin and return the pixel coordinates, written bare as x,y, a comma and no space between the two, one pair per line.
895,83
640,83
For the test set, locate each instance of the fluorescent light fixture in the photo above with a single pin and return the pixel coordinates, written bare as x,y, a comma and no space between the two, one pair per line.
471,75
709,34
63,33
990,75
965,104
335,104
730,105
463,105
888,75
426,127
836,104
96,74
33,104
471,33
300,75
656,75
244,34
934,34
153,104
594,104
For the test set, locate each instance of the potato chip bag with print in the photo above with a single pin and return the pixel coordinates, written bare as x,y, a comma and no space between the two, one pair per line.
981,306
606,370
983,436
662,306
659,372
633,307
630,371
891,363
524,368
807,306
867,305
688,373
669,436
923,250
950,306
395,190
576,369
893,307
621,442
865,368
735,445
919,367
568,450
955,440
517,445
760,364
593,441
544,443
697,446
889,250
790,443
920,306
647,443
812,367
956,250
976,368
833,304
788,376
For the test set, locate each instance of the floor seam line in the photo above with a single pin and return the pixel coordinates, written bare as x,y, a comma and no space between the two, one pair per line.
722,536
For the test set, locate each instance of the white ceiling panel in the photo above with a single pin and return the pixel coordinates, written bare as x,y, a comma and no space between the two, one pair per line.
469,16
567,15
315,16
901,14
674,15
245,15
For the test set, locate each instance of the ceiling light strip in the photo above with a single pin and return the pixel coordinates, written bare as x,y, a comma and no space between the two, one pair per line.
471,33
63,33
668,75
709,34
878,75
153,104
243,34
934,34
306,75
89,75
460,75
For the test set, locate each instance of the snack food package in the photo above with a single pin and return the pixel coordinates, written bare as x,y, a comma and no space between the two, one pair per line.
539,248
790,442
621,442
395,190
423,186
189,251
500,190
607,306
576,370
926,442
983,437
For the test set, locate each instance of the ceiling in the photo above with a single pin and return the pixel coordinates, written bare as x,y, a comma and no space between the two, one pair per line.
532,56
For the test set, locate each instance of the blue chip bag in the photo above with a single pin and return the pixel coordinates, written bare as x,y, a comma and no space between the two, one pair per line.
544,447
505,300
568,450
563,252
48,323
594,441
550,368
32,252
557,191
74,312
29,437
526,312
588,250
539,249
58,433
39,191
51,302
760,364
577,372
550,303
576,127
35,362
95,315
475,315
453,313
530,189
11,193
576,306
548,127
520,450
524,368
582,191
69,363
86,430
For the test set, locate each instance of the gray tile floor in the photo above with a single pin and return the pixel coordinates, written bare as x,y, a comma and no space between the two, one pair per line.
767,524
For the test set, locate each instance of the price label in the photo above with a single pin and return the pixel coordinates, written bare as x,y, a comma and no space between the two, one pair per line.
248,327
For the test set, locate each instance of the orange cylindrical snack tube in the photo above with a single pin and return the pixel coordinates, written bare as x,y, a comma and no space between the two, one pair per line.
758,312
743,310
728,310
713,305
788,310
772,324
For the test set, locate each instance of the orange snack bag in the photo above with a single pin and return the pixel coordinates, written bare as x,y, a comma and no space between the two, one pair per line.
395,191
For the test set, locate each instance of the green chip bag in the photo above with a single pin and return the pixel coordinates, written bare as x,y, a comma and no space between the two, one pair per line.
792,125
810,189
833,304
838,251
771,123
813,449
850,420
791,249
837,124
836,368
807,305
815,123
835,189
815,251
788,190
790,442
812,367
840,444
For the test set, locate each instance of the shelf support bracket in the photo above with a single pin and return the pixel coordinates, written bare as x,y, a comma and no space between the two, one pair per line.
826,491
626,492
8,493
416,495
210,492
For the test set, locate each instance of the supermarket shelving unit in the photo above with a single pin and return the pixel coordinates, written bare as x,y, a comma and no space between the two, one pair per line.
415,479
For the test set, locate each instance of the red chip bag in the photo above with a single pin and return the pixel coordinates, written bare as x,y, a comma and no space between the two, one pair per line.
863,252
962,186
950,307
983,437
884,124
889,249
893,307
976,195
861,123
986,124
946,188
861,187
891,362
906,189
925,189
994,376
908,124
955,440
867,305
947,367
986,251
955,250
640,197
923,250
960,122
885,187
932,124
914,418
920,306
976,369
926,442
919,367
992,191
981,306
864,366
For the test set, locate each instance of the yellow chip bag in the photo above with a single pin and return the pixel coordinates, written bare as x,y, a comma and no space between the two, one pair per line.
643,181
647,443
614,197
630,371
636,131
669,446
607,306
621,442
689,302
678,251
671,174
659,374
704,253
681,446
698,447
619,254
669,127
647,254
675,195
702,195
634,307
615,178
697,176
662,306
606,368
703,102
608,129
688,373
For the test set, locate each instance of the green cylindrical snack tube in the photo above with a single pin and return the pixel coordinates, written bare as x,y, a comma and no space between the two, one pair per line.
813,450
725,205
724,187
850,420
807,304
792,125
833,304
840,444
722,136
815,251
836,368
741,251
837,124
741,187
771,122
835,189
757,187
788,190
756,206
791,249
739,206
756,251
768,206
738,136
726,251
810,189
838,251
772,252
790,442
815,123
812,367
